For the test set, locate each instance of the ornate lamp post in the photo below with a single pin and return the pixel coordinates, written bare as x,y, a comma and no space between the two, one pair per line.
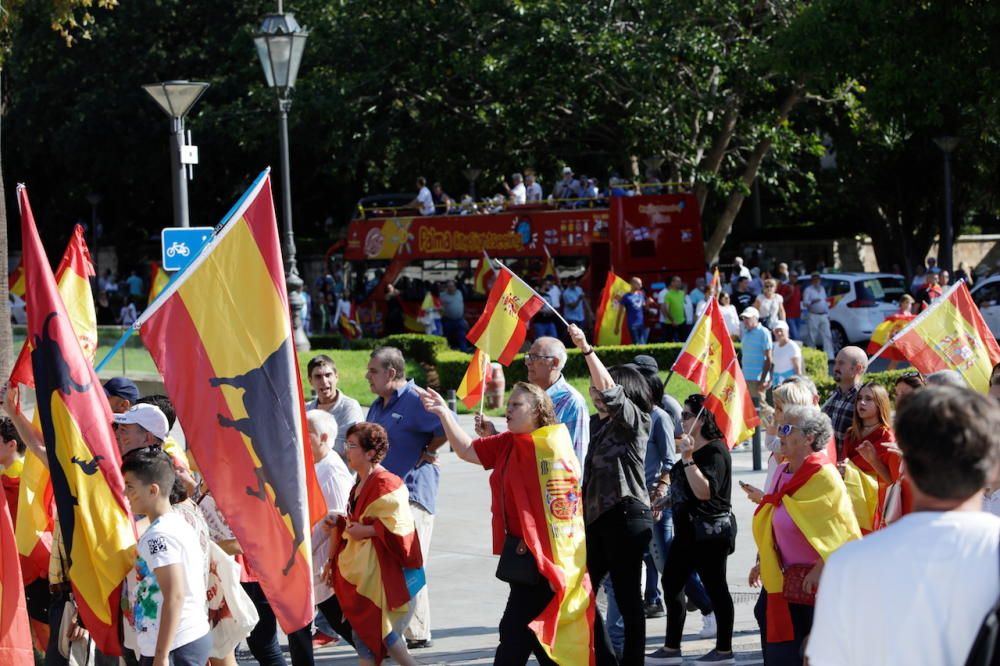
280,43
947,144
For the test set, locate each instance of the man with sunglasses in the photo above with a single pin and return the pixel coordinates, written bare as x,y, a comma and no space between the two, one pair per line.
545,361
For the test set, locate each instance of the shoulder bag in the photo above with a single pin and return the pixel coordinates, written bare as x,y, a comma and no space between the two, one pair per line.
517,565
984,650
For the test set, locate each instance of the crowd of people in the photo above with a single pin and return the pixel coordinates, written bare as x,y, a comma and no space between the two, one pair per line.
868,496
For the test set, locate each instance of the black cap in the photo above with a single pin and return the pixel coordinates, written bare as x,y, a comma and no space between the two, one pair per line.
646,364
122,387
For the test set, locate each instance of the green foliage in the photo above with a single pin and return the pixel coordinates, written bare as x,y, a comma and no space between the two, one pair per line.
417,347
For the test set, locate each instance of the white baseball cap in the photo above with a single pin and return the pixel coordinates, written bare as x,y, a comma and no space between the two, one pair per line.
750,312
149,417
567,170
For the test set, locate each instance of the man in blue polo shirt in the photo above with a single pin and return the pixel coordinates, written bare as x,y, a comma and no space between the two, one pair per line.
415,435
757,345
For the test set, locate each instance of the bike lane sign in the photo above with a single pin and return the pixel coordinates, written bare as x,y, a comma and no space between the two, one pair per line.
182,244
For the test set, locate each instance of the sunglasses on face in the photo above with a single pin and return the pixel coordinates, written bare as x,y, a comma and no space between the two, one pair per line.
785,429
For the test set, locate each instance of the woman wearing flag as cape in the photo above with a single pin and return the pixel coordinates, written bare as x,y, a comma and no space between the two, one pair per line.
537,527
804,517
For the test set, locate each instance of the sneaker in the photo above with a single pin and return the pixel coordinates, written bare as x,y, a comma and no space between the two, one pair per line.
708,626
412,644
320,639
716,657
654,610
664,657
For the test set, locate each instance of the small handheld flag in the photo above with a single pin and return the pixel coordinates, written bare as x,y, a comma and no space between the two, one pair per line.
473,385
503,326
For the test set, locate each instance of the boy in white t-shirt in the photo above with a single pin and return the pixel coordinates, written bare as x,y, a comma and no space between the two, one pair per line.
168,602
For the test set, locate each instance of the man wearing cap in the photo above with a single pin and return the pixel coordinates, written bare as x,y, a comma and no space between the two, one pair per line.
122,394
757,346
818,323
567,187
142,426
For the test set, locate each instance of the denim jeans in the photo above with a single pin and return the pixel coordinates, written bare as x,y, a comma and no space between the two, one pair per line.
640,334
544,329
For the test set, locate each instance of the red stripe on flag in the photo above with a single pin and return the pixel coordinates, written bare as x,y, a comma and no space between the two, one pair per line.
261,218
15,632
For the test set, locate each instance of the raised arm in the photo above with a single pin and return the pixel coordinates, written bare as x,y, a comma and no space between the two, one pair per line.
599,375
31,437
460,440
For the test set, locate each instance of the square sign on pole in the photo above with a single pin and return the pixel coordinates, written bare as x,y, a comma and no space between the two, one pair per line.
182,244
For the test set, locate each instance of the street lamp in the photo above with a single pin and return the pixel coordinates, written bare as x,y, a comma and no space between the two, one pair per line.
176,98
280,44
947,144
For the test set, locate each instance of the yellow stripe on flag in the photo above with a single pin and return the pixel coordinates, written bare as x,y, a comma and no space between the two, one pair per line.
470,391
611,314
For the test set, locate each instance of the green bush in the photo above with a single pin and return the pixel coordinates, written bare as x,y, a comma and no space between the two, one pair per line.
814,363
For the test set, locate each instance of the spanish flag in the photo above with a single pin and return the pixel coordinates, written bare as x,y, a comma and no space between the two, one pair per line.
368,574
81,448
348,323
158,279
549,503
15,280
548,266
33,527
816,501
883,333
709,360
221,336
609,327
15,632
482,272
430,302
473,385
951,334
501,329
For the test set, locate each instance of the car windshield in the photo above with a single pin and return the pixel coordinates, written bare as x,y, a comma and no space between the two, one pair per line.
881,289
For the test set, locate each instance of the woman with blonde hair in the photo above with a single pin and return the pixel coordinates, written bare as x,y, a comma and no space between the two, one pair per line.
770,304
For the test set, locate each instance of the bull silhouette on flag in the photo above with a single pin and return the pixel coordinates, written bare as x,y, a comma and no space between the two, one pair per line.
220,334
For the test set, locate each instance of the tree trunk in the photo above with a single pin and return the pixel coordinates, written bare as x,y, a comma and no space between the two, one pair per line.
725,222
6,335
713,160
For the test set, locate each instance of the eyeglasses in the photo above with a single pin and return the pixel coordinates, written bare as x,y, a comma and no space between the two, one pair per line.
531,358
685,415
349,445
785,429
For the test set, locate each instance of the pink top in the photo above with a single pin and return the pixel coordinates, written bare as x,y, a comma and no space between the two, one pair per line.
792,546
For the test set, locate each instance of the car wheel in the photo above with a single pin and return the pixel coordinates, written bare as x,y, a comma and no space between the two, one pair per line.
839,337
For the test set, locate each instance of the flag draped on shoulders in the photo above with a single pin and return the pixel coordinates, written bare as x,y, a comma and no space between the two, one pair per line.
82,452
221,336
883,333
951,334
816,501
503,326
482,274
368,574
548,498
609,322
709,360
15,632
158,279
470,391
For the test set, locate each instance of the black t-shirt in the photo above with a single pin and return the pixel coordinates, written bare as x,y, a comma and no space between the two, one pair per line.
742,300
717,466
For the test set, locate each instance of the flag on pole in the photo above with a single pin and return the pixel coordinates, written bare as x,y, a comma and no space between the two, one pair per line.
473,385
709,360
15,632
951,334
502,327
609,327
430,302
15,280
347,322
158,279
482,272
549,266
883,333
82,451
221,336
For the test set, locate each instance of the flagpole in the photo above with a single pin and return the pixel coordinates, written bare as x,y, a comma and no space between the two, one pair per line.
482,398
920,317
529,288
718,381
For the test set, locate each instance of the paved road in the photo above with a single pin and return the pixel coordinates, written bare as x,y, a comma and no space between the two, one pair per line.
467,600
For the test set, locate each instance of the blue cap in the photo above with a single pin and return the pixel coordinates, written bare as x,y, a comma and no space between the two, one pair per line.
122,387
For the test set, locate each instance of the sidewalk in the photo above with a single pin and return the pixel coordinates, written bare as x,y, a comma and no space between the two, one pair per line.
467,600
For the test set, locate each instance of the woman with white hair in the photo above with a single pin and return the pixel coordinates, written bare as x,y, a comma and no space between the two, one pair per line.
805,516
786,355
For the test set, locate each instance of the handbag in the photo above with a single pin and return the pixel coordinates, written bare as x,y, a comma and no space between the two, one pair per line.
80,652
984,650
712,528
792,588
517,564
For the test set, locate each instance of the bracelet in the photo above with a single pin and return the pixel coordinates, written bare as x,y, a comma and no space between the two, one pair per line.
690,463
588,353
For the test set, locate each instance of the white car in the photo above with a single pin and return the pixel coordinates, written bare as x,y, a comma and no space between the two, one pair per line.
858,303
986,295
18,310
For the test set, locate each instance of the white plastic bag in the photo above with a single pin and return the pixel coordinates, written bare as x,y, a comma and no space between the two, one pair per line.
231,613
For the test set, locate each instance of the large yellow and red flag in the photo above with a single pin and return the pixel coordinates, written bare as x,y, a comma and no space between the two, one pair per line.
502,327
82,452
883,333
221,336
482,273
709,360
33,527
609,326
15,632
368,574
951,334
473,385
158,279
15,280
548,501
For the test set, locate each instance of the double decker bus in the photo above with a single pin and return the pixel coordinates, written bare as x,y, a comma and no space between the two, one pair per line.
647,236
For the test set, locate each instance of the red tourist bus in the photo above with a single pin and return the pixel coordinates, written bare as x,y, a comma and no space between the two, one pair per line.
649,236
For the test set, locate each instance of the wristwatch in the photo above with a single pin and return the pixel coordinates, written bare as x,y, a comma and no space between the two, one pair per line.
689,463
